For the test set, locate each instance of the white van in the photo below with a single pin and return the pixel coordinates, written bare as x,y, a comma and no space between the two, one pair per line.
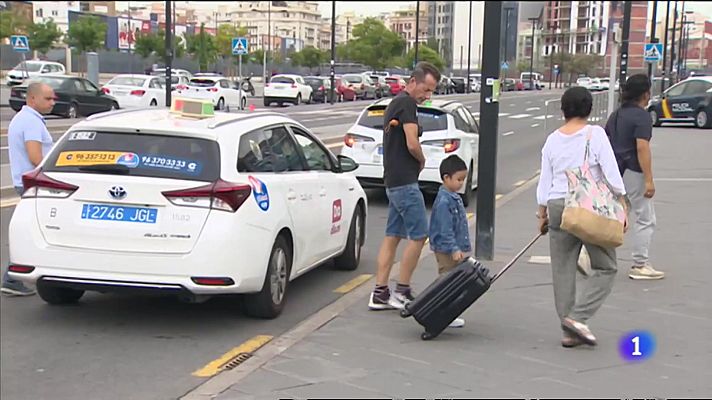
524,77
33,68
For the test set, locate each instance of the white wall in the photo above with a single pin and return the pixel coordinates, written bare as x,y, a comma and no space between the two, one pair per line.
462,11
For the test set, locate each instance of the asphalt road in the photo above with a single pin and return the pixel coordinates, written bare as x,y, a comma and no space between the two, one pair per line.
118,347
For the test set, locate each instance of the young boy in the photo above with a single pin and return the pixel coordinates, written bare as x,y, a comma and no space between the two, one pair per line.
449,231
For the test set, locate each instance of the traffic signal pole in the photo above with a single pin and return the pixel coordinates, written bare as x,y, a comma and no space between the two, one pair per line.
489,116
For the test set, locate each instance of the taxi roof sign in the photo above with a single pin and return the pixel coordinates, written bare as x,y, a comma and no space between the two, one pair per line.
193,108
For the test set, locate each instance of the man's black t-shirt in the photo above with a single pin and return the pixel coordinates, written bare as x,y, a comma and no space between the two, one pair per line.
399,166
628,123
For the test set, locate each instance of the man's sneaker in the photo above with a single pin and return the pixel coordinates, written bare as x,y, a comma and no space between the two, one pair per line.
457,323
379,302
16,289
400,299
645,272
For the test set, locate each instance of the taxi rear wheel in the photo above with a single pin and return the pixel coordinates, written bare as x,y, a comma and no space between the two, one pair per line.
349,260
702,120
58,295
269,302
654,117
221,104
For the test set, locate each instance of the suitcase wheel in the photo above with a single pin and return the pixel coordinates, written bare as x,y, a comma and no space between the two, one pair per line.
404,313
426,336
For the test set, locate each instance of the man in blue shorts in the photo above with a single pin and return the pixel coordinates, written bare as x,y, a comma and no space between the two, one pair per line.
403,160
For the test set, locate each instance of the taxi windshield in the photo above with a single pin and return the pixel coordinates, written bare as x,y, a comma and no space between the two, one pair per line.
157,156
28,66
429,119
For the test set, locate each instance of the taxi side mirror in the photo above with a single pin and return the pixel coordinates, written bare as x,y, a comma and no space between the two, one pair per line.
347,164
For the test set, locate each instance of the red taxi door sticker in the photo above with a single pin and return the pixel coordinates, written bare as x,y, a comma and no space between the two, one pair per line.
336,211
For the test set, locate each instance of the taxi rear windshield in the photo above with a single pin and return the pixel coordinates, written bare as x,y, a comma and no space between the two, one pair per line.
429,119
156,156
281,79
202,82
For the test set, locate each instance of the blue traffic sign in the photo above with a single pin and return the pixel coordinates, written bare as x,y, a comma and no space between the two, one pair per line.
653,52
239,46
20,43
505,66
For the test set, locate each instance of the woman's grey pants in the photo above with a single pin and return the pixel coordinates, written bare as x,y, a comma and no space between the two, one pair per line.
564,249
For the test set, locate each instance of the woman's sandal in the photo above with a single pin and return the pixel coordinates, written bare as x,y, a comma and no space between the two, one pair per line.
580,330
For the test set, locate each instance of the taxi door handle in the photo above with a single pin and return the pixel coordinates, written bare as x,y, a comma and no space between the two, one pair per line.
291,195
322,193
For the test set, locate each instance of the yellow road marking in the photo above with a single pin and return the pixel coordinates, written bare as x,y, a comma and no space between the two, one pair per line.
353,283
214,367
9,202
499,196
520,183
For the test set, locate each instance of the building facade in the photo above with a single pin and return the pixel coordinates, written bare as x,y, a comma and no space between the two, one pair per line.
57,11
441,26
403,22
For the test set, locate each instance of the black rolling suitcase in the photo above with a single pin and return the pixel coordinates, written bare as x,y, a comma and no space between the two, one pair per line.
451,294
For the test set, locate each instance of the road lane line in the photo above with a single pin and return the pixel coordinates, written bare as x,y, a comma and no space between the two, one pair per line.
535,125
353,283
499,196
533,109
520,116
215,366
503,114
9,202
508,133
519,183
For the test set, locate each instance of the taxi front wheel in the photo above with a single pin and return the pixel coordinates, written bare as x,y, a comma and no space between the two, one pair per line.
269,302
349,260
58,295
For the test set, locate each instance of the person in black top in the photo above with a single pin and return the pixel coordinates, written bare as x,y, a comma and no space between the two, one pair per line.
403,160
630,129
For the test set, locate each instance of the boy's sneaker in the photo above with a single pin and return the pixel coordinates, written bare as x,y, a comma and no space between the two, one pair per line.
645,272
400,299
380,301
457,323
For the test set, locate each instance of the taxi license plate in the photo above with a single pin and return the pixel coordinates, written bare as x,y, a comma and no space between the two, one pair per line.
104,212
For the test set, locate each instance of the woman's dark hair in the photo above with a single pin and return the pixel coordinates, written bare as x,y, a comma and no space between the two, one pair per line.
635,88
576,102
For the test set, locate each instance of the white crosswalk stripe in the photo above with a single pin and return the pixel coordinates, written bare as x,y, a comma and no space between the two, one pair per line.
503,114
533,109
520,116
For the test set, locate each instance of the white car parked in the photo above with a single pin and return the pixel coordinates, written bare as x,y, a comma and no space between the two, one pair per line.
17,75
186,203
217,89
287,89
448,128
584,81
136,91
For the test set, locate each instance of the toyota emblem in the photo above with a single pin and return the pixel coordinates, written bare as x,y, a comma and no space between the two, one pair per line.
117,192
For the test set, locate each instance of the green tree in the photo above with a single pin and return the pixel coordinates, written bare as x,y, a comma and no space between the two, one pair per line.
144,45
202,47
424,54
523,65
86,34
12,24
309,57
374,44
43,36
432,43
257,56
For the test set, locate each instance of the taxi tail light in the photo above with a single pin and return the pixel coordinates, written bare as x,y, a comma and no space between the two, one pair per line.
106,90
267,84
20,269
448,145
181,87
220,195
138,92
218,281
350,139
37,184
294,85
213,89
321,88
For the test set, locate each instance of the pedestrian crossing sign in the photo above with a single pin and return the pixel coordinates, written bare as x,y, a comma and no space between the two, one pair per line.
20,43
653,52
239,46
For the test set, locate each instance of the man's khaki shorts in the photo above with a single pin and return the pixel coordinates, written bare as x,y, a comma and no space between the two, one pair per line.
445,263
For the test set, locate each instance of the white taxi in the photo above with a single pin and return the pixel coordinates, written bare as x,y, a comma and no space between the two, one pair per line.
223,93
188,202
136,91
287,88
447,128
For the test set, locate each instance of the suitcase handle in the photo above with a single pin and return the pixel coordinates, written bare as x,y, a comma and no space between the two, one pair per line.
517,257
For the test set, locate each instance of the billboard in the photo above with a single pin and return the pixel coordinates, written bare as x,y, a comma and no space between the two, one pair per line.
128,31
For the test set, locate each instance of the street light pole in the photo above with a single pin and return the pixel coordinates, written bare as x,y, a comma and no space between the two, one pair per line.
169,52
665,47
682,39
506,34
531,65
332,66
417,31
627,11
673,55
469,50
653,25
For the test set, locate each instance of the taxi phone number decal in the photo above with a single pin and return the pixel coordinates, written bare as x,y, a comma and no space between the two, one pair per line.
131,160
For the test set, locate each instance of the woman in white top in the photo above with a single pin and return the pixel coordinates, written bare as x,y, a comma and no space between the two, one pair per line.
565,149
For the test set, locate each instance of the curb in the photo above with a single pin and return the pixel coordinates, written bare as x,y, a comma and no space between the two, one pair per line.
225,380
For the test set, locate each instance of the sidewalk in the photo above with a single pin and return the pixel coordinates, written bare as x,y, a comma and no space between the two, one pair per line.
511,343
